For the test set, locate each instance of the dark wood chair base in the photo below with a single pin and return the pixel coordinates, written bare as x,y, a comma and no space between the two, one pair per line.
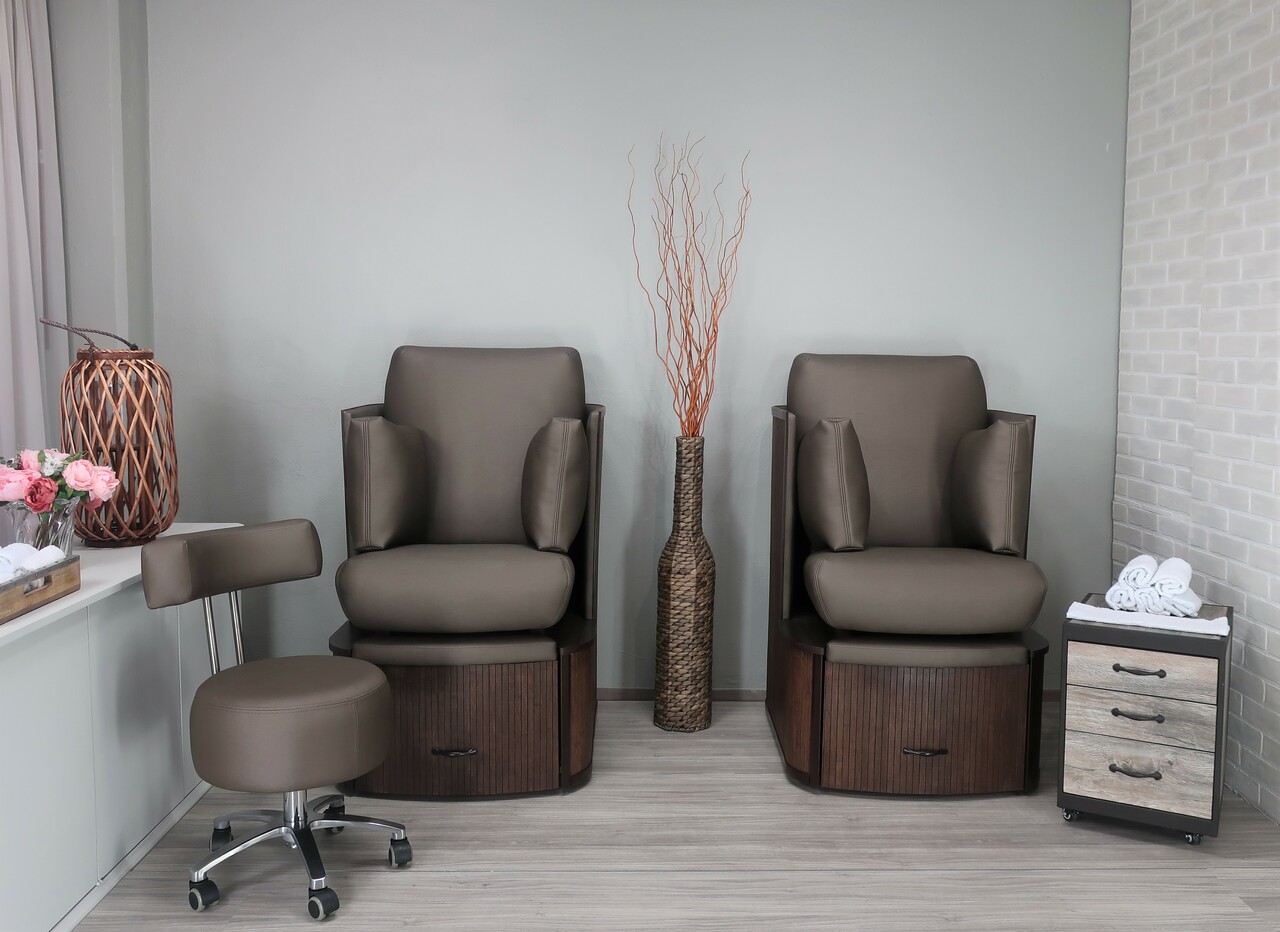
489,729
904,730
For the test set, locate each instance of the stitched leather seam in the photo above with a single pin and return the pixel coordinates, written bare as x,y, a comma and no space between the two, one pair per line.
368,489
560,482
817,593
337,703
564,604
842,486
1008,488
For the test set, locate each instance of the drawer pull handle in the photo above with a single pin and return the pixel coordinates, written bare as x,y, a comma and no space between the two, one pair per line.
926,752
447,752
1139,717
1136,672
1116,768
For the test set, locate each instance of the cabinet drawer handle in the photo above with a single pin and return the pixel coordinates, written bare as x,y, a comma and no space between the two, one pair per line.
1136,672
1116,768
934,752
1139,717
448,752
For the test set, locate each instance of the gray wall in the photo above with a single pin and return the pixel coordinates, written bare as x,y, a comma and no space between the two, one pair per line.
332,180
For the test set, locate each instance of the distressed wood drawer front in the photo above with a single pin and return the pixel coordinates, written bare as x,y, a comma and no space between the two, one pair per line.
1149,672
1186,777
1141,718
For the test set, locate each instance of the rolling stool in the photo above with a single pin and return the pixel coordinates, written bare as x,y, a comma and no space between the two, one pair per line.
274,725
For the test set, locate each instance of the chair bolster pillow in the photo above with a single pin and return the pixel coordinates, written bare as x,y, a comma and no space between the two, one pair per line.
553,488
991,487
831,486
386,469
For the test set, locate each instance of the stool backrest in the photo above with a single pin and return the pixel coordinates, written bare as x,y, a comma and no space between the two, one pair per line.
186,567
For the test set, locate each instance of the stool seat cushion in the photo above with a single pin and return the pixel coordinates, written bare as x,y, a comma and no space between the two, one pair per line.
290,723
455,588
925,590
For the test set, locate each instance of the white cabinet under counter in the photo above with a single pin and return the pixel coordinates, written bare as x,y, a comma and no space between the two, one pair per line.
95,690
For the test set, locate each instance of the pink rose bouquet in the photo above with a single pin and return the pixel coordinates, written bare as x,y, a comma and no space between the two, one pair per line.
40,481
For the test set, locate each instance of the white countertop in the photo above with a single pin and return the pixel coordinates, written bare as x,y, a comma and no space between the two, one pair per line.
103,571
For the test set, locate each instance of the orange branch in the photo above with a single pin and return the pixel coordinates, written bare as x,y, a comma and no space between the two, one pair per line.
697,268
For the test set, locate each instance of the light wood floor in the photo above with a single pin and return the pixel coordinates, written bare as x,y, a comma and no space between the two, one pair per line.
704,831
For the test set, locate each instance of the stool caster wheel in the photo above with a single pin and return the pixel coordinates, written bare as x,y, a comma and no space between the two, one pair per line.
1070,815
220,838
334,812
1193,838
322,903
202,894
400,853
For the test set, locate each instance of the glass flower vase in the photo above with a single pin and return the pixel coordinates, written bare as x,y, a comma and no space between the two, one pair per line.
56,527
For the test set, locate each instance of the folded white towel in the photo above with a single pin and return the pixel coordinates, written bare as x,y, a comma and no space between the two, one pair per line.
39,559
1123,597
17,552
1149,601
1138,572
1173,577
1216,625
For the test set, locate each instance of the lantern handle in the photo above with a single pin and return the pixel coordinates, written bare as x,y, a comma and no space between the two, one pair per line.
81,331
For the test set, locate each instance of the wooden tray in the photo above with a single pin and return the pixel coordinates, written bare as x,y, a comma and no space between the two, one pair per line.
29,591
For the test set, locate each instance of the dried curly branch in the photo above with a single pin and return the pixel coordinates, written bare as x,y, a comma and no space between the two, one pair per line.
697,266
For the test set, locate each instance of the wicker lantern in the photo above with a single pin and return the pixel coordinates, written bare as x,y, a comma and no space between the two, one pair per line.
117,407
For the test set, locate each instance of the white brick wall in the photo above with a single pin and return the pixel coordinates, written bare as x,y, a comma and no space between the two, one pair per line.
1198,450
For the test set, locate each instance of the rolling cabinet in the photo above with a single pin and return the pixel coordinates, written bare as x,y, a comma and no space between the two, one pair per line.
1144,720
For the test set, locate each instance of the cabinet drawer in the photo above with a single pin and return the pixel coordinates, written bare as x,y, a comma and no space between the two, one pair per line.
924,730
1141,718
1148,672
470,731
1095,765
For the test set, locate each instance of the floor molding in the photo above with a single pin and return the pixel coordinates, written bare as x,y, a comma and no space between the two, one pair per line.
130,861
638,694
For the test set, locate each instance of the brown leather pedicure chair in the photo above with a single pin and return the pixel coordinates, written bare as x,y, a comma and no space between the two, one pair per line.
472,496
900,659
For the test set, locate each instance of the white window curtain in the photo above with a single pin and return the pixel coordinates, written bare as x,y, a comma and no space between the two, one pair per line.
32,269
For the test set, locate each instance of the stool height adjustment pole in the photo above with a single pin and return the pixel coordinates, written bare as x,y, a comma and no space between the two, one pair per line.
295,809
234,599
214,665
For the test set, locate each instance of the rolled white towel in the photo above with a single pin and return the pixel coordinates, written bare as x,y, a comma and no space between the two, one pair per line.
17,552
1187,604
1123,597
1172,577
39,559
1138,572
1149,601
7,569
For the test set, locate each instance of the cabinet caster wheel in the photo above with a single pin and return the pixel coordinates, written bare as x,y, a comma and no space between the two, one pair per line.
1193,838
220,838
202,894
1070,815
400,853
334,812
322,903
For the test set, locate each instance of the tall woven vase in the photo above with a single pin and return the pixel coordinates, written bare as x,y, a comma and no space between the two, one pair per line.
117,406
686,594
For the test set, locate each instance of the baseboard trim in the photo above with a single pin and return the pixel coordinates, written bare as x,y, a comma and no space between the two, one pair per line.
636,694
130,861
